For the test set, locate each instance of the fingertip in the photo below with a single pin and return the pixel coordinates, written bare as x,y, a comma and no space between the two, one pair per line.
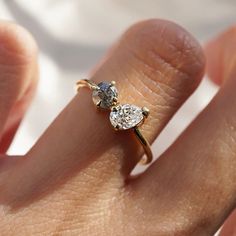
213,60
18,75
17,40
220,53
18,59
178,48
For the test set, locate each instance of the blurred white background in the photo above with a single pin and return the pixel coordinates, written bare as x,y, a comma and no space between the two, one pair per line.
73,34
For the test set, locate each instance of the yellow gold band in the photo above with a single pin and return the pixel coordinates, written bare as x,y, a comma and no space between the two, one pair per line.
122,117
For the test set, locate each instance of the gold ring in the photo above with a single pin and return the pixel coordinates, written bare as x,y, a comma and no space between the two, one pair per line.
122,116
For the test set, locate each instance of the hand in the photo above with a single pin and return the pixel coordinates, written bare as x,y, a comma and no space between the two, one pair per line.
74,181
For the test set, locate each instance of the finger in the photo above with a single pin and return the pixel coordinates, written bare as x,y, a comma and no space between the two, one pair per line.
16,115
220,54
156,64
18,75
224,46
193,183
229,228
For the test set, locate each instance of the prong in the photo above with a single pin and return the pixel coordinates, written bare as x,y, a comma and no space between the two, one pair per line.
98,104
114,109
145,111
94,87
117,127
115,99
113,82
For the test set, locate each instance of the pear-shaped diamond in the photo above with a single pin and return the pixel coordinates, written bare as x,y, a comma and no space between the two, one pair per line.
126,116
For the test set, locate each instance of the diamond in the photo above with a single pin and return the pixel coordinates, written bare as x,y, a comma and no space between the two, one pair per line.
126,116
105,96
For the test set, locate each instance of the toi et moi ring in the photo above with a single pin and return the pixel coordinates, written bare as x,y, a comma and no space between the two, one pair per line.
122,116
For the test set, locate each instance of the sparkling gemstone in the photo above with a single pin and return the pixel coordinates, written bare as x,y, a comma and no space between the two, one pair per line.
105,96
126,116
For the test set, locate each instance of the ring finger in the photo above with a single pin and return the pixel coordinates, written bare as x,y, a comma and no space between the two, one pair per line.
156,64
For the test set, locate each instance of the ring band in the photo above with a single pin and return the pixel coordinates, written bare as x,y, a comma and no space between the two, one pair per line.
122,116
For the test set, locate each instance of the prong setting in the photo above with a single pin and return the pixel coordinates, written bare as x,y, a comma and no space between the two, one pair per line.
122,116
115,99
145,112
98,104
126,116
114,109
105,94
117,127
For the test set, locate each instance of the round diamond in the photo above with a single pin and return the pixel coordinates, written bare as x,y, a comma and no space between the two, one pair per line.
126,116
105,96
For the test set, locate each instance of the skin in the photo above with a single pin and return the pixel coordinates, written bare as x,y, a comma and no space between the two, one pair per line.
75,179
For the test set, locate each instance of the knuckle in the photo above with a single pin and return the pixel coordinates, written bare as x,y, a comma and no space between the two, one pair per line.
165,51
167,62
